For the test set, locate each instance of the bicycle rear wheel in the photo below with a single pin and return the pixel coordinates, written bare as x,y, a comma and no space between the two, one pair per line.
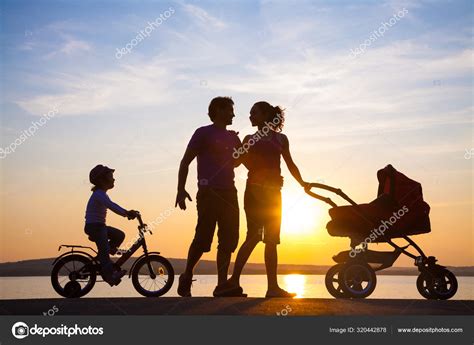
152,276
73,276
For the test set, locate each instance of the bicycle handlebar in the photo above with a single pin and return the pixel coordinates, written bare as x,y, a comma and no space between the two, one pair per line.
139,217
142,226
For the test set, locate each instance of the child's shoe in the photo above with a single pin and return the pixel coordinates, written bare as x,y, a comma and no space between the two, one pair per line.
114,278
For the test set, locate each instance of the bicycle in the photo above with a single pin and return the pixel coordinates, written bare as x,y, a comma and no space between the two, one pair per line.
74,273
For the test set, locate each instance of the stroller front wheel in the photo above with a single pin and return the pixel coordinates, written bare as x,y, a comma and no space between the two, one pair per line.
357,280
332,282
438,283
423,283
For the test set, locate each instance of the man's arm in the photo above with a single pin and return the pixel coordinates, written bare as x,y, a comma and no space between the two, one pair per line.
289,162
181,196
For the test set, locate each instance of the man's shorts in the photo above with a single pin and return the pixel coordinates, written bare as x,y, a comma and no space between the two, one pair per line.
221,207
263,211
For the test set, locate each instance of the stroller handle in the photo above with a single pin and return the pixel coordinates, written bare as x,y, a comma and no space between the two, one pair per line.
337,191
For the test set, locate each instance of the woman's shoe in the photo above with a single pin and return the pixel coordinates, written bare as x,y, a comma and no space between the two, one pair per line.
279,293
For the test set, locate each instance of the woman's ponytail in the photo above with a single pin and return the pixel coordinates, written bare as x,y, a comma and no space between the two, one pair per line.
275,115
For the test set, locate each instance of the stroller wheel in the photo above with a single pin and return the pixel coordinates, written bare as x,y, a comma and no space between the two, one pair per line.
332,282
423,284
357,280
444,284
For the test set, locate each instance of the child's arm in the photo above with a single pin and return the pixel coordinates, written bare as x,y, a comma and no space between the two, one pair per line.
104,198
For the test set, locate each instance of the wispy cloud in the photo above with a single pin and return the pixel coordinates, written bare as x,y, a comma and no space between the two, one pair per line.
121,88
203,17
69,47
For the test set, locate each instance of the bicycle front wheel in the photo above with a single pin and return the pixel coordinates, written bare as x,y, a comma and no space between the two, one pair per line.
152,276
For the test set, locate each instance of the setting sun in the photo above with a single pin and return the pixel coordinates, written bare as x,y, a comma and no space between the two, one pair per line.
301,213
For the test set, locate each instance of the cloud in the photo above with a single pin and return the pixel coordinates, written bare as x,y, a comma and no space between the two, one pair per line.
70,47
116,90
203,17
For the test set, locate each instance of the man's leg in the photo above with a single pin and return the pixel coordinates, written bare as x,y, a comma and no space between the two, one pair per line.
223,262
194,255
202,240
228,233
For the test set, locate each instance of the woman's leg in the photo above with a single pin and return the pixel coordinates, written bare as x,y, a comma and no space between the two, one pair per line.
254,232
242,256
271,264
272,239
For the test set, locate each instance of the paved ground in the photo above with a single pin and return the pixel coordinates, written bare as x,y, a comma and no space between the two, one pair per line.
234,306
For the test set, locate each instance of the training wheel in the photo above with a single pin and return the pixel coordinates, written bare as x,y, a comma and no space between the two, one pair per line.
72,289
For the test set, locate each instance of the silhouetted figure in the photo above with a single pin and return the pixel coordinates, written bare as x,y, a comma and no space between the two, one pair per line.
216,199
262,201
107,238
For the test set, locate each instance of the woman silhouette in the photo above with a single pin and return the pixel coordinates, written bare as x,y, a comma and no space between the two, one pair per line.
261,154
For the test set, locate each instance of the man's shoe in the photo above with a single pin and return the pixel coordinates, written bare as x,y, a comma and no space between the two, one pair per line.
228,290
184,286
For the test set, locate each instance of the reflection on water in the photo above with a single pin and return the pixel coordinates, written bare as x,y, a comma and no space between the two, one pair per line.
295,283
307,286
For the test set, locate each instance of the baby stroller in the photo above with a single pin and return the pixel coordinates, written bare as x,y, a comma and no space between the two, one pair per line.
398,212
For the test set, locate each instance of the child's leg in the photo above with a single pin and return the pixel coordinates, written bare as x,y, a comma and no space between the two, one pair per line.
99,235
115,238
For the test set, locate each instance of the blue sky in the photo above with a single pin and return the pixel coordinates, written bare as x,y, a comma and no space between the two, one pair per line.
406,100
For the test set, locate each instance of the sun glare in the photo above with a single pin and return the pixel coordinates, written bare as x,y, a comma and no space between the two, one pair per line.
301,214
295,283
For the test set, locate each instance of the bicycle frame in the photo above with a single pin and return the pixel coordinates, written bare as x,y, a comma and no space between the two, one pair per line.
142,229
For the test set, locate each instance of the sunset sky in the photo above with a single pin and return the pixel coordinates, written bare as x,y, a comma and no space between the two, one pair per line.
405,99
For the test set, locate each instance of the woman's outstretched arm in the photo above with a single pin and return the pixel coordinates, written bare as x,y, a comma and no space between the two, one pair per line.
243,155
290,163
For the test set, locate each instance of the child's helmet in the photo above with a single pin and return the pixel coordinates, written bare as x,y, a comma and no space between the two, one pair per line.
97,172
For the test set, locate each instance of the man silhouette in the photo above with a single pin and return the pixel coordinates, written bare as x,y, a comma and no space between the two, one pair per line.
216,199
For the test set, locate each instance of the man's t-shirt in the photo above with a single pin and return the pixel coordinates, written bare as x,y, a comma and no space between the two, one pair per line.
215,163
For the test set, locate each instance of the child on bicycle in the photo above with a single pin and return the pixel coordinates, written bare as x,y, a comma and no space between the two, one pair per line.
107,238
